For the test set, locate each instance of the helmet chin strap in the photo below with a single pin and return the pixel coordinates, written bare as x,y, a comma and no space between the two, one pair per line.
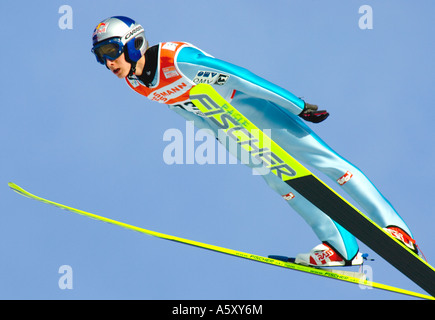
132,68
132,63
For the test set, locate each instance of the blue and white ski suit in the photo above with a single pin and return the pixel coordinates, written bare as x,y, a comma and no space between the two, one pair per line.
179,66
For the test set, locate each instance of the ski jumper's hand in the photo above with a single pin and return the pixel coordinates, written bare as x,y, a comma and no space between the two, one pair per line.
311,114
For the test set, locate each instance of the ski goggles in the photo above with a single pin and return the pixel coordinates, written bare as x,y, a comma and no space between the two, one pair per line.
109,49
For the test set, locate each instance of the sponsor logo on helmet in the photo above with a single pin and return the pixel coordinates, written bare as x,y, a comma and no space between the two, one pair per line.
345,178
131,33
101,28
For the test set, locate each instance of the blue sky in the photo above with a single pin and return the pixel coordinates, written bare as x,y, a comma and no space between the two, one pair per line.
73,133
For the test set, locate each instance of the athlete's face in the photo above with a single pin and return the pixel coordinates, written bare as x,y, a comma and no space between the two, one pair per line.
120,67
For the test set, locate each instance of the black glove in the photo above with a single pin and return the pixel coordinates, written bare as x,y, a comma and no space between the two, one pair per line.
311,114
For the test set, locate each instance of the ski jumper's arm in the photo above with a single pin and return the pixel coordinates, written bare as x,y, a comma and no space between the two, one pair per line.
190,60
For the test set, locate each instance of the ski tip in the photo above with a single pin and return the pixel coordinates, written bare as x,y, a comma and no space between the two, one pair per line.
16,188
13,185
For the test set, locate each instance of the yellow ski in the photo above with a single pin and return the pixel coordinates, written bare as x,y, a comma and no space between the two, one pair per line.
351,277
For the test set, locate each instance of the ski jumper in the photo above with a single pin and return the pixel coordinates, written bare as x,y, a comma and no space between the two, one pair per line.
173,68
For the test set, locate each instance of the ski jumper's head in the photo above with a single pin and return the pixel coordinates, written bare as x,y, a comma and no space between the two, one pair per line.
119,43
